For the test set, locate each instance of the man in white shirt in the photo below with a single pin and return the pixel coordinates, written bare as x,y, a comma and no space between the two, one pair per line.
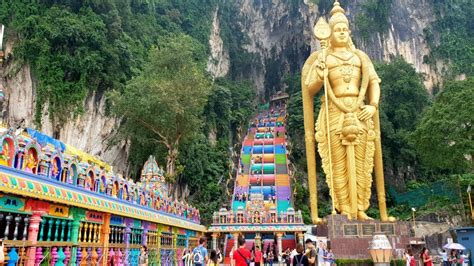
320,253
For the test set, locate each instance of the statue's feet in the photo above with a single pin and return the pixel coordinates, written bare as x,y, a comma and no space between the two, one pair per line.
363,216
348,214
389,219
317,220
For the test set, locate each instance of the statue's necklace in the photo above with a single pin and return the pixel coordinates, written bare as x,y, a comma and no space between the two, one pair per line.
346,68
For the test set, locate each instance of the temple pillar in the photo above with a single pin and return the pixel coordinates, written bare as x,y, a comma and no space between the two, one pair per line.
175,248
258,240
146,225
127,233
236,238
33,230
77,215
301,238
158,237
214,240
105,238
279,236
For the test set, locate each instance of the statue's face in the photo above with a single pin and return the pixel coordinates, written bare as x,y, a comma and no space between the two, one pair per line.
340,35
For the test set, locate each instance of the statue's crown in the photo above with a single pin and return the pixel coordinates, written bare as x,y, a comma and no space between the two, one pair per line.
338,15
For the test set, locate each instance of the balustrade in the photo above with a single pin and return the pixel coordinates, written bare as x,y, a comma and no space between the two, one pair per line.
153,245
289,217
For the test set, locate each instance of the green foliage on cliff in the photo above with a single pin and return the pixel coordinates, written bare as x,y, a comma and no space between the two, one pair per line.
78,47
373,18
444,137
402,103
451,36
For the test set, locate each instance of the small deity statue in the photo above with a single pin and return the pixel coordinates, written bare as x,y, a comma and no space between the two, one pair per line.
347,129
88,182
55,169
114,190
5,154
142,200
30,163
101,187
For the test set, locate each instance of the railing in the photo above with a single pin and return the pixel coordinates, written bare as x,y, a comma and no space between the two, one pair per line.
79,241
264,217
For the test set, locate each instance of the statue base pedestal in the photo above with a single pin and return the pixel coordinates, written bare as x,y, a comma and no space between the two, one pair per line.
349,239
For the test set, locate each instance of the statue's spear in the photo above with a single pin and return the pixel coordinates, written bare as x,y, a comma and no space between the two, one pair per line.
322,32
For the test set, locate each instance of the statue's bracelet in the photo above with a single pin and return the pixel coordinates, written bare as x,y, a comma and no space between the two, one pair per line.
376,105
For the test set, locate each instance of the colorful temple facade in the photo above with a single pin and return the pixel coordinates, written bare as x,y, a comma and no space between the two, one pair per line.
60,206
261,208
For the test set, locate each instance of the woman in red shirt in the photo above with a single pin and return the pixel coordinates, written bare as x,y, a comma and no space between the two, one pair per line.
426,258
242,256
258,256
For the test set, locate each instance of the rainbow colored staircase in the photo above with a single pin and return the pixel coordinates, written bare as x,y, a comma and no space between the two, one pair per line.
261,208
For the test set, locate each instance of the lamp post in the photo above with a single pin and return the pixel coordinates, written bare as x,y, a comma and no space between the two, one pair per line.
413,210
470,201
380,250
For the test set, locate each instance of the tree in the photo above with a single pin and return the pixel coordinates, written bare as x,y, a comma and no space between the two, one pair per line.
164,103
402,102
444,138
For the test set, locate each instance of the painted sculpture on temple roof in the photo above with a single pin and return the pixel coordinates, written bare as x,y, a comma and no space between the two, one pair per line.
30,162
153,175
347,128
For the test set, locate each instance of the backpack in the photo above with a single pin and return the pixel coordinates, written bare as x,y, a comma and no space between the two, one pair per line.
197,256
246,260
299,262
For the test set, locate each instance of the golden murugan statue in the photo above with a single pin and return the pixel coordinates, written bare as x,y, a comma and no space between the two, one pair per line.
347,129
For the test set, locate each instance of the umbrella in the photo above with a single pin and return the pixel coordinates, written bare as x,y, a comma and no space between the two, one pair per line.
454,246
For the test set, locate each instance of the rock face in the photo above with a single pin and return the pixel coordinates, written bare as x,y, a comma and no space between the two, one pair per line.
89,132
218,63
280,33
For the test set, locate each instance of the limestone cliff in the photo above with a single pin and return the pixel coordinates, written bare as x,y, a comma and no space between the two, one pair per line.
218,63
90,131
280,33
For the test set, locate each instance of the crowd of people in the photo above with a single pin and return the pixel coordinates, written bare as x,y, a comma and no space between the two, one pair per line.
200,256
241,195
452,258
299,256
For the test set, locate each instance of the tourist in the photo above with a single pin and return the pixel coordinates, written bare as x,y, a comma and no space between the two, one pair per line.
300,259
453,258
330,258
2,254
200,257
293,254
231,256
311,253
187,258
321,251
425,257
242,256
444,256
219,255
409,258
213,258
286,256
143,258
270,257
258,256
464,259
